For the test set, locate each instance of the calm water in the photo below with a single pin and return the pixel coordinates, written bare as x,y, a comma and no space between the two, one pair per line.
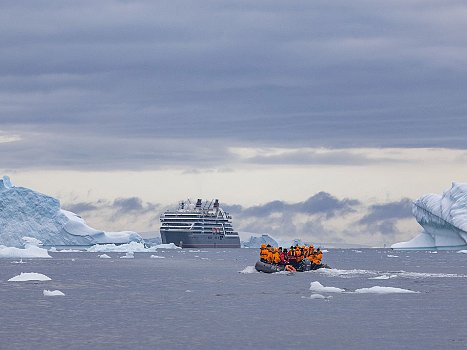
199,300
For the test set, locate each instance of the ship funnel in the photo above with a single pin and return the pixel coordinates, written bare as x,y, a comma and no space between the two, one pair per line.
198,203
216,203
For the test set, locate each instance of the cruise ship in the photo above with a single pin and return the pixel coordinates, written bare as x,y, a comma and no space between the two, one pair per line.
200,225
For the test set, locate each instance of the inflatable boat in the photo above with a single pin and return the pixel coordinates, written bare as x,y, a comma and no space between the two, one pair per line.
304,265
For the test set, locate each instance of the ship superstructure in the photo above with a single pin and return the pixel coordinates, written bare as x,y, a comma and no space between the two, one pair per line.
200,225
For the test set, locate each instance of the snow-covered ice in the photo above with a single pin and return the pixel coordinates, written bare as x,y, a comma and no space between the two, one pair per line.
443,218
256,241
31,250
29,213
29,276
383,290
53,293
464,251
104,256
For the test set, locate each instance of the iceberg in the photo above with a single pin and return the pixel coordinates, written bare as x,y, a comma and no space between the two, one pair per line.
443,218
24,212
256,241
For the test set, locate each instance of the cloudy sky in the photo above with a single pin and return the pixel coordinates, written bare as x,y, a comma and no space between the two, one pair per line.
313,119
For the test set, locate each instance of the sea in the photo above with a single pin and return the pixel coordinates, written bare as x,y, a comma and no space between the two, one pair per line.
214,299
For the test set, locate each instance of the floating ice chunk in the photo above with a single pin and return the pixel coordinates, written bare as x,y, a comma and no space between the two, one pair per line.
428,275
53,293
317,296
157,257
248,269
464,251
167,246
325,251
104,256
188,291
30,251
128,255
392,256
318,287
383,290
29,276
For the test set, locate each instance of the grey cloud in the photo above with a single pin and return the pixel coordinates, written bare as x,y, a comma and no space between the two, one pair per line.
321,203
388,211
307,74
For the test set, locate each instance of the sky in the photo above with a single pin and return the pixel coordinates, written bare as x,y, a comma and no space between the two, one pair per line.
307,119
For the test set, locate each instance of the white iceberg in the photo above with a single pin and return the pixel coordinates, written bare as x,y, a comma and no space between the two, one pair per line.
24,212
53,293
104,256
464,251
256,241
443,218
29,276
30,250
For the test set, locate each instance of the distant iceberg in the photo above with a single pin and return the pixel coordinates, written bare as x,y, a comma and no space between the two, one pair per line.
24,212
443,218
256,241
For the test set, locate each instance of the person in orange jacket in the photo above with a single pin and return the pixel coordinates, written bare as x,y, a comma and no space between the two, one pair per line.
263,253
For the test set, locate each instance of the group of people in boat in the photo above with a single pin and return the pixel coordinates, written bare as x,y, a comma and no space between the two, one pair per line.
294,256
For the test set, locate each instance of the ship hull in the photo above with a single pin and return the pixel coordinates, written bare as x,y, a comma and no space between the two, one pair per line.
196,240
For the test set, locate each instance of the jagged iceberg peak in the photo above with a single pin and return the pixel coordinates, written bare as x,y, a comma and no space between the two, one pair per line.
27,213
5,183
443,218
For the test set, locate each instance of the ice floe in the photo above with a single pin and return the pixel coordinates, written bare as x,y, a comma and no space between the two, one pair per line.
464,251
104,256
128,255
392,256
383,290
318,287
53,293
30,251
29,276
157,257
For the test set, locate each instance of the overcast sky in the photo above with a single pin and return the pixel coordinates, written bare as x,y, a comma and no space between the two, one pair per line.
364,101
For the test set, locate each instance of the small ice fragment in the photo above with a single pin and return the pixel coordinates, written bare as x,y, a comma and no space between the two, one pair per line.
128,255
53,293
157,257
104,256
464,251
392,256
